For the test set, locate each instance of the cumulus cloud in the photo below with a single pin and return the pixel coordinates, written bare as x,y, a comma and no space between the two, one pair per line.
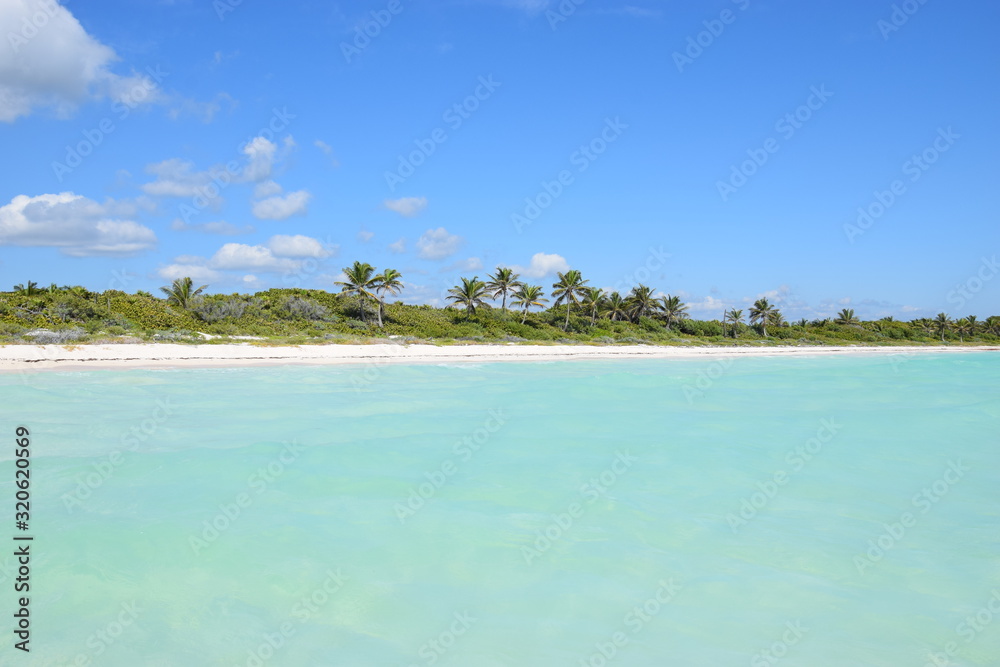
280,254
438,244
242,257
266,189
398,247
49,61
299,246
260,154
407,207
78,226
176,178
281,208
710,305
365,236
543,265
196,272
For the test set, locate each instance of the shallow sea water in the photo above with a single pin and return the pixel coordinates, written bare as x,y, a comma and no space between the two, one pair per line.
755,511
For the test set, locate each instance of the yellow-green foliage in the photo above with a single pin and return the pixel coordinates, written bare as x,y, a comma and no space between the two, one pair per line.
150,313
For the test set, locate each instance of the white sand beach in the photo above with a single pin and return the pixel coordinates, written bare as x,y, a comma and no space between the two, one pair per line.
19,358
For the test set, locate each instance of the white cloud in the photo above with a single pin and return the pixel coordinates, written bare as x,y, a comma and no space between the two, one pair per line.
398,247
215,227
266,189
298,246
242,257
438,244
197,273
470,264
710,305
49,61
543,265
280,208
78,226
260,159
176,178
406,206
365,236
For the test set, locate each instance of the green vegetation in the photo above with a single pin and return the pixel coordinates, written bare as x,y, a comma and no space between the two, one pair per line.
360,312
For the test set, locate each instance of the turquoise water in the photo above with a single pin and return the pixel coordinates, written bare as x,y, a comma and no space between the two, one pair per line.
759,511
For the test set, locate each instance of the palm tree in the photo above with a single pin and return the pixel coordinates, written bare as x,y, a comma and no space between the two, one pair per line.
673,309
30,289
360,281
942,323
616,307
568,289
963,328
974,324
527,296
846,317
387,281
641,300
762,314
734,317
471,294
181,292
502,283
992,325
593,299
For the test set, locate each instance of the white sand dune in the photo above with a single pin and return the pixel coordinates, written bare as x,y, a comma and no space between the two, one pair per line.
163,355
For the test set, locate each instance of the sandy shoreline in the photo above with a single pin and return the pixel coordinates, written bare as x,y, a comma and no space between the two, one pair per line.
19,358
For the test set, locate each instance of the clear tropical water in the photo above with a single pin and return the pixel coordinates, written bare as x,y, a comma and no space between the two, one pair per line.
761,511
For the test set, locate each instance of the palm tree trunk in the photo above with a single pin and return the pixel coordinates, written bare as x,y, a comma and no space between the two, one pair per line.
566,328
381,305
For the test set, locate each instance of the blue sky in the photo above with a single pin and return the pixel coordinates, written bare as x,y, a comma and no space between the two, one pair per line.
720,150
